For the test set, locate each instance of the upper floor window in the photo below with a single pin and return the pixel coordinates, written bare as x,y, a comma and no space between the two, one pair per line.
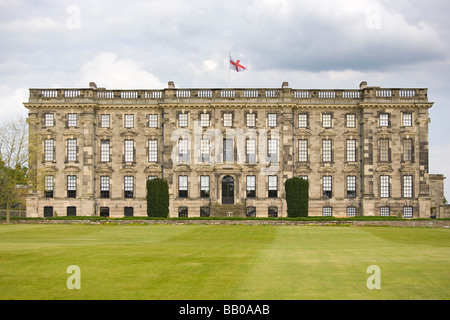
48,187
303,150
152,150
251,186
182,119
384,119
303,120
327,150
128,187
326,120
273,186
49,119
182,186
204,119
183,151
105,121
71,186
272,119
350,120
71,149
384,150
129,151
104,186
251,150
408,153
205,151
407,186
351,186
49,149
227,119
129,121
152,120
204,186
104,150
72,120
272,150
407,119
327,190
351,150
385,187
251,119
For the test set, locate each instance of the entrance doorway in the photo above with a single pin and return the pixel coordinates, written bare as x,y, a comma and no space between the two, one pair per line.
228,190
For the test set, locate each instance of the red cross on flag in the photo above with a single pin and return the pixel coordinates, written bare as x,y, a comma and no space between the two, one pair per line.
235,64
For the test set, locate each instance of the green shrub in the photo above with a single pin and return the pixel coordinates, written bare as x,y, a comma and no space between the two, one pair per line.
157,198
297,197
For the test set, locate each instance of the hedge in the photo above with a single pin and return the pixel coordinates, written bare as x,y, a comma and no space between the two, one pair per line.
157,198
297,197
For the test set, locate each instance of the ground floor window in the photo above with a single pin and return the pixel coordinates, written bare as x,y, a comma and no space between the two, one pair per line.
250,212
48,212
128,211
273,212
104,211
351,211
385,211
204,211
407,212
182,212
71,211
327,211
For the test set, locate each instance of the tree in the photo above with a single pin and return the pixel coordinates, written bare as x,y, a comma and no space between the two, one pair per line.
14,160
157,198
297,197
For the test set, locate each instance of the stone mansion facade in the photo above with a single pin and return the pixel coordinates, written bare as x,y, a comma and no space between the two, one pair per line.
229,151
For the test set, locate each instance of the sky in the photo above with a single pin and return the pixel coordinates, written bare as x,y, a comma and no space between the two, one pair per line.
311,44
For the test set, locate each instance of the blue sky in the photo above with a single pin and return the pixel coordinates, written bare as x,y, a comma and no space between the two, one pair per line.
310,44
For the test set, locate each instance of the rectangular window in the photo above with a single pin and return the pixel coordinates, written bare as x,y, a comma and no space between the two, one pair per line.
49,150
350,120
152,150
104,186
351,150
303,150
204,119
129,150
104,150
227,119
152,120
407,212
228,150
384,187
182,212
204,186
251,150
303,120
351,186
384,119
205,151
251,186
183,152
385,211
71,149
128,187
72,120
71,211
49,119
326,120
129,121
273,186
182,186
351,211
205,211
407,119
327,211
272,150
71,186
326,150
384,150
407,186
251,119
48,186
407,150
105,120
128,211
272,212
272,119
182,119
327,189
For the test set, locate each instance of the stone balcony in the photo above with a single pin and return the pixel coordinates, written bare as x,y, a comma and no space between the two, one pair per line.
230,95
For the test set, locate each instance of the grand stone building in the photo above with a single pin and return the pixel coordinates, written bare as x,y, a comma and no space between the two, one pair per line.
229,151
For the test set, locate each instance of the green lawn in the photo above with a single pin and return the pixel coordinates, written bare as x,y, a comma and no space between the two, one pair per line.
223,262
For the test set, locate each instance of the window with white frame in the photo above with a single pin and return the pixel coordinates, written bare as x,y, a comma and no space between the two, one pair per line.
327,150
182,119
303,120
384,119
227,119
71,149
152,150
351,211
182,186
351,186
303,150
48,186
407,212
183,151
251,150
49,119
228,150
326,120
384,150
105,120
129,150
152,120
272,150
71,120
351,150
273,186
204,186
384,186
407,186
327,211
407,145
251,119
204,119
104,186
104,150
272,119
350,120
407,119
251,186
49,149
327,187
129,121
205,150
385,211
128,186
71,186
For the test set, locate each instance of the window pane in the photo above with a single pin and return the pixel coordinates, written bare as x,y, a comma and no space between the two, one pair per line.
326,150
104,150
326,120
204,186
327,187
302,150
72,120
129,150
303,120
228,119
384,149
71,149
351,186
204,119
129,120
104,186
351,120
384,120
272,119
105,121
272,148
182,120
49,120
273,186
182,186
251,119
384,187
152,150
153,120
351,150
407,186
251,186
71,186
129,186
407,119
48,149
